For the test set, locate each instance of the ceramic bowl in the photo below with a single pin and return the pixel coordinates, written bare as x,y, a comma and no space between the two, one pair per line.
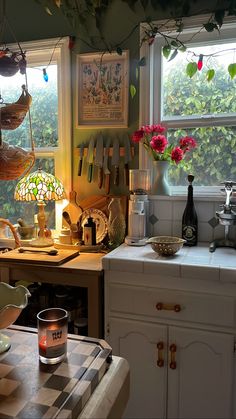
166,245
12,302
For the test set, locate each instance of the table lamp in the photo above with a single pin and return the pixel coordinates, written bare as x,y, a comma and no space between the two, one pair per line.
40,186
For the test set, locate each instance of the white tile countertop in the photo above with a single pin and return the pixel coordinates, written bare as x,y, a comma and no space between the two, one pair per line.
190,262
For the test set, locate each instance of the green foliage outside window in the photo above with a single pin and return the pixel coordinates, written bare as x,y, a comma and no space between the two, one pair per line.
214,160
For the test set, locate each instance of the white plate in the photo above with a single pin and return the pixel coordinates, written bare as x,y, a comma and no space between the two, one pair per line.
100,220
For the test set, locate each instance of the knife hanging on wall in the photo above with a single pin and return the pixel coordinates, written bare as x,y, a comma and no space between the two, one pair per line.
127,159
99,158
106,170
90,159
116,160
81,154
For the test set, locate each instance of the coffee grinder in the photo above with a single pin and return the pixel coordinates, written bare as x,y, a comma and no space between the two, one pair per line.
226,217
139,185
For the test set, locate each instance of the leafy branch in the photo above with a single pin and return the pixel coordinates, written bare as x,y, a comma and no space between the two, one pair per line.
81,13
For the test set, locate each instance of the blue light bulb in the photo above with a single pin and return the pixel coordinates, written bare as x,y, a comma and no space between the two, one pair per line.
45,76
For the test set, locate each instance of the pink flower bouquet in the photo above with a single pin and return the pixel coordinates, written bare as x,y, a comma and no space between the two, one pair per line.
153,140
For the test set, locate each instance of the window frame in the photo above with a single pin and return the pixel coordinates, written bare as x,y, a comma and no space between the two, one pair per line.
56,51
150,104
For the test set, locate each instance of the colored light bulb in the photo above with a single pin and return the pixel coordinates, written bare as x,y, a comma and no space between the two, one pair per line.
45,76
200,62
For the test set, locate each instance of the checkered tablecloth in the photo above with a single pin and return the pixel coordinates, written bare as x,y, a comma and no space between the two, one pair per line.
31,390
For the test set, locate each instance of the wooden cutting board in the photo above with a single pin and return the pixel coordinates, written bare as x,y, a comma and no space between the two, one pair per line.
40,258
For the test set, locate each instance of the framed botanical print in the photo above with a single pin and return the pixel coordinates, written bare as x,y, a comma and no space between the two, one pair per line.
102,90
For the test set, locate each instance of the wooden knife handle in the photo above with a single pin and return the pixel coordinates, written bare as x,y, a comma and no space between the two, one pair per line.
80,167
126,174
90,172
107,183
100,177
116,177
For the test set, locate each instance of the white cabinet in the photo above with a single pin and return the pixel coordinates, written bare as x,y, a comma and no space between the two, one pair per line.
195,373
179,344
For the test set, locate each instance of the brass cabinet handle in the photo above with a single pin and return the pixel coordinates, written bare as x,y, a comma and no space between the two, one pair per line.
160,347
164,306
173,349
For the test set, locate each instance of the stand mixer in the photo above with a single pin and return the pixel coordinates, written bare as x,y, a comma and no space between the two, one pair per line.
226,217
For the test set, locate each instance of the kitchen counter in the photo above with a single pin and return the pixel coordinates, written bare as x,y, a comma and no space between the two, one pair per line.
84,271
191,263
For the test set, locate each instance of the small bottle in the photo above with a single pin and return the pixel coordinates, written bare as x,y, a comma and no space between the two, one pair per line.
189,219
90,232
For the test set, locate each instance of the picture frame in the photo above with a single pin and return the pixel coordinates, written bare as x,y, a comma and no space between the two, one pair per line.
102,90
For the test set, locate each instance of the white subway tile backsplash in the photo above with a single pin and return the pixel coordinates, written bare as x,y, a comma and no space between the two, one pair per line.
177,228
163,228
178,209
205,210
163,210
169,213
205,232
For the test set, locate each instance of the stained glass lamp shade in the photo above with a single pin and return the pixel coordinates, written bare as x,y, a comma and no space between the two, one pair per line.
40,186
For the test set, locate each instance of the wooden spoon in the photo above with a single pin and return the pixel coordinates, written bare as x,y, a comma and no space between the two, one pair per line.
52,252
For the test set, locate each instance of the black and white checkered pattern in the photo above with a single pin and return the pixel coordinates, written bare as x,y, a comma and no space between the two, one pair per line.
29,389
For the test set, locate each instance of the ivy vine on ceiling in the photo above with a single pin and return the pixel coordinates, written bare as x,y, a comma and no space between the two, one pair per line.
80,12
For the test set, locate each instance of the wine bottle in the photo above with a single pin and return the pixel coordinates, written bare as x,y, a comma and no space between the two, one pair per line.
189,219
90,232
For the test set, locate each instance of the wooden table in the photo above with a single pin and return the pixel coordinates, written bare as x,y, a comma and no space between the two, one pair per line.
88,383
84,270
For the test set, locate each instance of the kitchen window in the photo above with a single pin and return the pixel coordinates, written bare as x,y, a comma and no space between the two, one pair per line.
193,106
50,118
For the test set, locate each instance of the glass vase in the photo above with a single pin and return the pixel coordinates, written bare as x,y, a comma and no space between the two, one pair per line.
116,223
160,184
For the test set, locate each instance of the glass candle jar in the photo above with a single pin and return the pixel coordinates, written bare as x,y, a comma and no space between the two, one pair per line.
52,335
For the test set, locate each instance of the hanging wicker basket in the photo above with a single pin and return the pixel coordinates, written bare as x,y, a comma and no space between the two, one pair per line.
12,115
15,161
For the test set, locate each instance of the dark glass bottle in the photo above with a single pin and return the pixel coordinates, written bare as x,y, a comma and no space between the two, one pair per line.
189,219
90,232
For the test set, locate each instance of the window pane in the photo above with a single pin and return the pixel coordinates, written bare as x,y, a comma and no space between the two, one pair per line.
43,110
12,210
184,96
212,162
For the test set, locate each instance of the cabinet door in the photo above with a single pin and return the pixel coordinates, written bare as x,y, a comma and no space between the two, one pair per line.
201,385
137,342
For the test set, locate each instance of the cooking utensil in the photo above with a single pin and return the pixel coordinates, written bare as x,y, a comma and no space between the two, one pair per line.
52,252
116,159
73,209
90,159
81,154
106,170
73,226
127,159
99,159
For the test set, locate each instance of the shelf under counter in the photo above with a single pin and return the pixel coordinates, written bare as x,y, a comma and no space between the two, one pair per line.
83,271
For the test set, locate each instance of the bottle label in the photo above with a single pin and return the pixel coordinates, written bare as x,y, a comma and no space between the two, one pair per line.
189,232
88,236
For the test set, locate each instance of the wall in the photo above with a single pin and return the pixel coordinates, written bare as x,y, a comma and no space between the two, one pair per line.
28,21
165,217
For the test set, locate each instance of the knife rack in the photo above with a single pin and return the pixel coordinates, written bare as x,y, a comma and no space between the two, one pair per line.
122,151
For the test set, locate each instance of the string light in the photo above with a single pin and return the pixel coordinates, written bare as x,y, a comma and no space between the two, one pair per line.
45,75
200,62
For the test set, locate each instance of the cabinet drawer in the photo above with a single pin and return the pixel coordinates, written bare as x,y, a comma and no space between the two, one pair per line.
176,305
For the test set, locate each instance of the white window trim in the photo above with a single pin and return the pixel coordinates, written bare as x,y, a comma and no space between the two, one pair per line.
148,85
63,154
